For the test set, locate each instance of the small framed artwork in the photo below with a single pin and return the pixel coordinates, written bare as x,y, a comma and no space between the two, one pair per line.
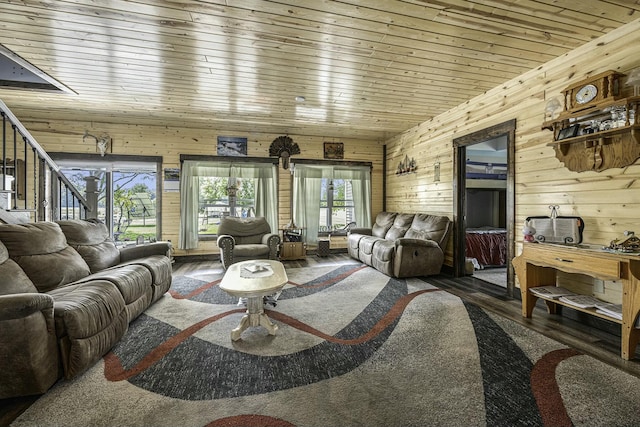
171,180
568,132
333,150
232,146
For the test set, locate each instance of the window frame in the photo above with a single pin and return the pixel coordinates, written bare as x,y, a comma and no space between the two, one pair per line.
84,159
330,206
186,242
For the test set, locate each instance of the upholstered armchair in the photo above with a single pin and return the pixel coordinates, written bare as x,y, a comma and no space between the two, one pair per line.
241,239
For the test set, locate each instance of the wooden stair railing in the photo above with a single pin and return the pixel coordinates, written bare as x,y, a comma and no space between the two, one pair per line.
32,188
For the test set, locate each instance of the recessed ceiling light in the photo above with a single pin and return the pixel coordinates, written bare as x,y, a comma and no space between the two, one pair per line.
300,99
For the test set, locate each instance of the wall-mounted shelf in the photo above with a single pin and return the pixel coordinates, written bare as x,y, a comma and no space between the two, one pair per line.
589,139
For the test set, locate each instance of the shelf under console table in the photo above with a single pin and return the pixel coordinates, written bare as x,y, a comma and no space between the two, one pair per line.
539,263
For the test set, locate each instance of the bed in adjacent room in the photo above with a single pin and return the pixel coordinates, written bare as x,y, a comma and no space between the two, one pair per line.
486,247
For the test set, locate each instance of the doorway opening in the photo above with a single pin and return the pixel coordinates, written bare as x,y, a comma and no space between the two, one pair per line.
484,208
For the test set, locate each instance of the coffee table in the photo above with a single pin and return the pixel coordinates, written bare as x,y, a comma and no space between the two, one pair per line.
254,280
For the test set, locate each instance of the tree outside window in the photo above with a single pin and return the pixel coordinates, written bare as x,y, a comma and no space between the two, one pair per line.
224,196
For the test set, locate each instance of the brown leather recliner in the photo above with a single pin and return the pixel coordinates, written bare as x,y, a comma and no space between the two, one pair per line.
242,239
401,244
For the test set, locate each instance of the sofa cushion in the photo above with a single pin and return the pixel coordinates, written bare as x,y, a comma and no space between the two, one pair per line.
384,221
89,319
133,281
384,250
430,227
366,244
92,241
15,280
41,250
251,250
401,224
244,230
161,272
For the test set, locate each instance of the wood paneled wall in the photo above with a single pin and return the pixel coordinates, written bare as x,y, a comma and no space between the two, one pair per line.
168,142
608,201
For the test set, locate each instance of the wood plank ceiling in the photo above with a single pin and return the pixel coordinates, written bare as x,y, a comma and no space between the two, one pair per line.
367,69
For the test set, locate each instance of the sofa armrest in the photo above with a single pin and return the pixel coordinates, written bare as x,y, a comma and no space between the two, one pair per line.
131,253
28,345
272,240
226,243
361,230
417,257
17,306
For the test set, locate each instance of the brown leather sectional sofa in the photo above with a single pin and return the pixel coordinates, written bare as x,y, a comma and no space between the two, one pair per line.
67,295
402,244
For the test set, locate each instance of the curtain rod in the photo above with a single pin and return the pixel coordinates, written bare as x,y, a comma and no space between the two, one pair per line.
231,159
330,162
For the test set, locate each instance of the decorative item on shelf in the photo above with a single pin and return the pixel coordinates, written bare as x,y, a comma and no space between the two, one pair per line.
630,243
565,230
633,79
550,109
593,90
568,132
103,143
406,166
291,225
598,127
529,232
292,235
283,147
618,116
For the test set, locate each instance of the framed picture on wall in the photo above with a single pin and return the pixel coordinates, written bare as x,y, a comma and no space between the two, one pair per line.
333,150
171,180
232,146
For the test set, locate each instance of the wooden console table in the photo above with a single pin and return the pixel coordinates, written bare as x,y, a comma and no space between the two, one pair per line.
539,263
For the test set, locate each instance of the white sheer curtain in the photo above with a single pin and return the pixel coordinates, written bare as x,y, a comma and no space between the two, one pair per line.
360,177
307,180
266,201
265,175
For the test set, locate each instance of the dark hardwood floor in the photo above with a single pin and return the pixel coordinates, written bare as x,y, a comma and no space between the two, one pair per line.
591,336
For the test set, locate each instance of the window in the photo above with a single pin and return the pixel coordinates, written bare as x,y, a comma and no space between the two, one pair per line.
128,199
223,196
212,187
318,208
337,208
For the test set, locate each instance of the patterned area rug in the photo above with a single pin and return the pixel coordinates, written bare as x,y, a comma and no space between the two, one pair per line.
354,348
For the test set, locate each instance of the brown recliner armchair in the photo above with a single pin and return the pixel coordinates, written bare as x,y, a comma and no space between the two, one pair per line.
241,239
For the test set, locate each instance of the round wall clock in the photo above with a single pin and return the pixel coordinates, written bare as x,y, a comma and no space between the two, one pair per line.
586,94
